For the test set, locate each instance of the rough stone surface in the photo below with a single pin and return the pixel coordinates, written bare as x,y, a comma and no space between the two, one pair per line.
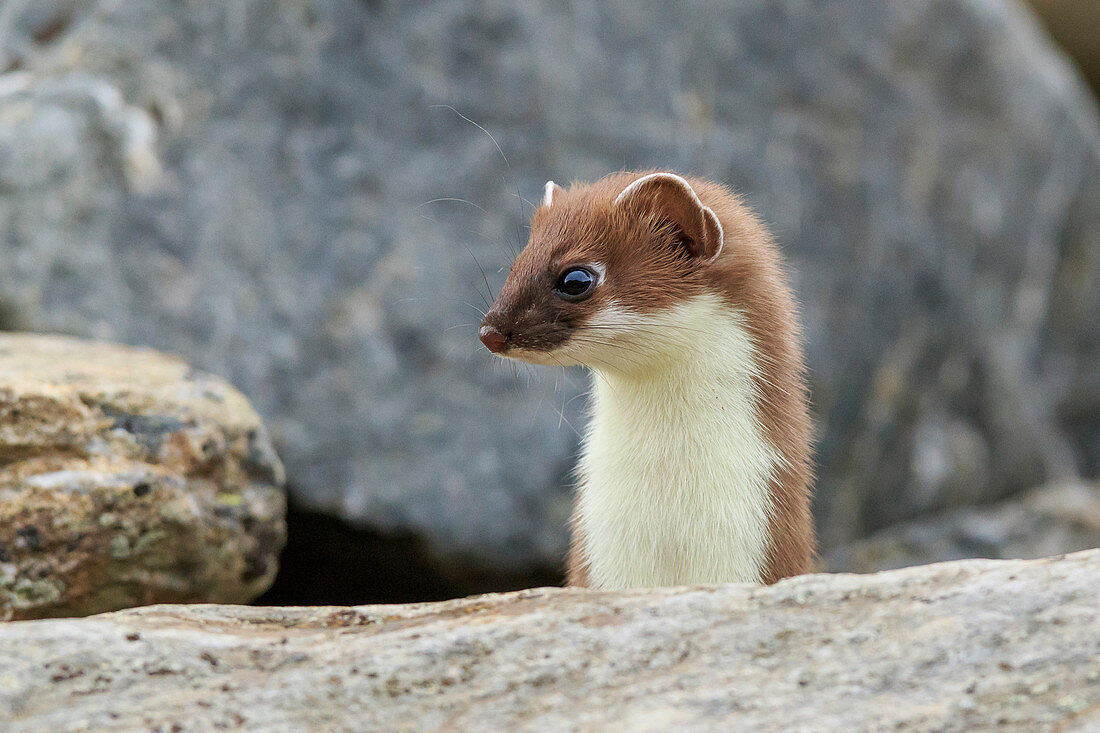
270,189
1059,518
1011,645
126,478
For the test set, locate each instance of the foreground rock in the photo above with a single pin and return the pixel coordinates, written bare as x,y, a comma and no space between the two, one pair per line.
1058,518
961,646
249,185
126,478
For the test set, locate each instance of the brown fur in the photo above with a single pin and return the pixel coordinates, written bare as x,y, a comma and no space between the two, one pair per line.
655,264
576,573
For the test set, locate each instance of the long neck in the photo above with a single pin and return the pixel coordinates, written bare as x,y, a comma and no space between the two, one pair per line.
676,469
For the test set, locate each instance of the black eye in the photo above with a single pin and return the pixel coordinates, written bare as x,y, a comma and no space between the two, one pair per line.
575,283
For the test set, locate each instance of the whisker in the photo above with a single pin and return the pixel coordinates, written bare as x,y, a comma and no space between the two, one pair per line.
607,344
479,311
561,413
499,150
525,200
454,198
482,271
619,327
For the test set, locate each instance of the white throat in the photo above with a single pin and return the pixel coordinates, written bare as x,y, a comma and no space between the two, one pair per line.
675,473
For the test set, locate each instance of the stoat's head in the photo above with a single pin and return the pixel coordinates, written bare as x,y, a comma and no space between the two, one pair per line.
604,269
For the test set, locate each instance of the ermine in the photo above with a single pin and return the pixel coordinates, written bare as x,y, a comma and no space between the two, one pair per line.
695,466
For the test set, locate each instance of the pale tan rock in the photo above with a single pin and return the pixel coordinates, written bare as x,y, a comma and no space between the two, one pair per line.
126,478
972,645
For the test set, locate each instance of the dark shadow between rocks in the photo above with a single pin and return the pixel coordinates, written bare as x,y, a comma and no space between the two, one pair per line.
9,317
330,562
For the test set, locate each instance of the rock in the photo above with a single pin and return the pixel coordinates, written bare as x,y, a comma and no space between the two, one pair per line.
126,478
1073,24
953,647
272,190
1054,519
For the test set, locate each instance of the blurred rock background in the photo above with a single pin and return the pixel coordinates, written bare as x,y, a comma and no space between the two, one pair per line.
1074,24
292,194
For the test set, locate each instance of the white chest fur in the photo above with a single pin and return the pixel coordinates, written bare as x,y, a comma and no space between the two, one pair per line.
675,471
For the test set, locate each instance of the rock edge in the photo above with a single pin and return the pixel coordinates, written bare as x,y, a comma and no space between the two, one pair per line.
954,646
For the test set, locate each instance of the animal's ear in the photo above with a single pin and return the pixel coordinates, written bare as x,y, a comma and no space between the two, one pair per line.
670,198
550,192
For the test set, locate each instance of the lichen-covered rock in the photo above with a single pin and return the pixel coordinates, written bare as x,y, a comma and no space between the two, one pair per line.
1057,518
127,478
981,644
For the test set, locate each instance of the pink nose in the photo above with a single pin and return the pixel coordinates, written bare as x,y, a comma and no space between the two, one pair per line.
493,339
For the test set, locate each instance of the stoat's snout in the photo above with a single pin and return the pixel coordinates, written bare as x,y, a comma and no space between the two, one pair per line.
540,308
494,339
528,326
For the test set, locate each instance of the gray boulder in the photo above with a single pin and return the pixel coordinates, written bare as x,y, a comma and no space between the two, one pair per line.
973,645
1053,519
272,190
